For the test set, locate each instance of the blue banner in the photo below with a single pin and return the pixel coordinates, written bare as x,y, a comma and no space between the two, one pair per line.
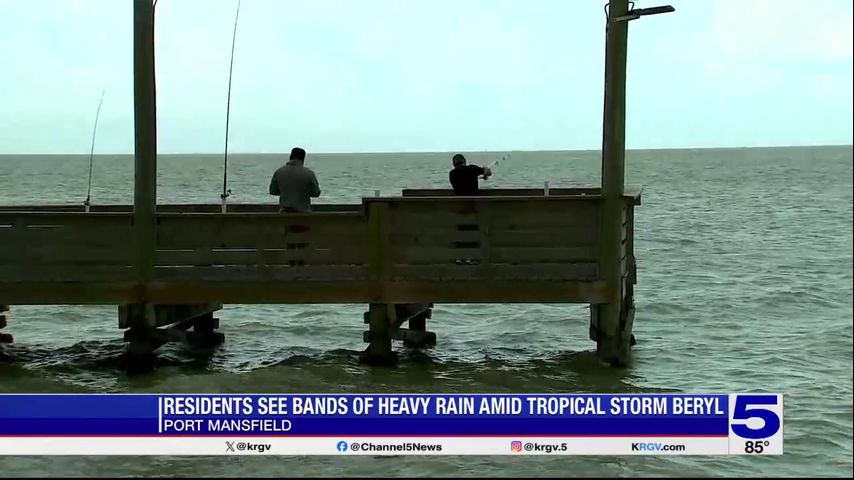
364,414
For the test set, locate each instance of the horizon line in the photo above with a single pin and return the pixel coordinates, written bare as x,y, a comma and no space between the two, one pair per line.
386,152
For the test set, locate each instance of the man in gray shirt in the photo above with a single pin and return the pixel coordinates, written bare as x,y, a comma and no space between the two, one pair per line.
295,184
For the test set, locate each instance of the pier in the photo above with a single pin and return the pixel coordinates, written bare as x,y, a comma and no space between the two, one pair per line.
169,268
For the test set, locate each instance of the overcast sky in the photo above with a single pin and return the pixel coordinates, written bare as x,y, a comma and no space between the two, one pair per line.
426,75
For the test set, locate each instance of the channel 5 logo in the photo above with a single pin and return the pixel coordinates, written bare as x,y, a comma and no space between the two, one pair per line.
515,446
756,423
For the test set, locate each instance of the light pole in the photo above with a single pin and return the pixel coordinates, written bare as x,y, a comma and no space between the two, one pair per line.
611,344
145,131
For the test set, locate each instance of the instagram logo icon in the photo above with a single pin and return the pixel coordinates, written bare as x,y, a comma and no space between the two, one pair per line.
516,446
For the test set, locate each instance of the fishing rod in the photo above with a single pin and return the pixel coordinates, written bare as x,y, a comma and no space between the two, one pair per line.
497,162
225,191
92,152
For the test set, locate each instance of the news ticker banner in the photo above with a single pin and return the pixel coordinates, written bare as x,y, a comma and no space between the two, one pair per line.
391,424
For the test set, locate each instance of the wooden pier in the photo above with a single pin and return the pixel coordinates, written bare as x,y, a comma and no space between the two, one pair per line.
399,255
169,268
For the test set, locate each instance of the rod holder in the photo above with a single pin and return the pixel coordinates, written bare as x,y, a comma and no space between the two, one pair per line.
224,198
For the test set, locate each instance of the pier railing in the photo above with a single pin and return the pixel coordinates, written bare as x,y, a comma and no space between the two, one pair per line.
507,246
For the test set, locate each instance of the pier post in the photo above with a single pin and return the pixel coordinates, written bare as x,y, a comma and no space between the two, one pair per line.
145,149
141,342
204,334
4,337
141,336
378,337
612,344
149,327
415,315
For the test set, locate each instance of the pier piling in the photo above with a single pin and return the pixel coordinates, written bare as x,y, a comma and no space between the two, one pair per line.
378,337
611,321
4,337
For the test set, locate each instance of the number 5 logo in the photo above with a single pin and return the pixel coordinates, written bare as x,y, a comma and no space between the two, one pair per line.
748,407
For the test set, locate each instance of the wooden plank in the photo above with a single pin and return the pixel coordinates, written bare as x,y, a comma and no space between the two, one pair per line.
233,231
179,208
486,217
100,244
545,237
418,255
71,254
437,237
63,219
378,240
542,271
252,217
11,244
581,218
255,274
252,208
110,292
486,192
165,314
412,206
273,292
65,273
497,291
631,193
262,292
432,255
404,221
395,292
96,234
544,254
68,239
630,244
346,255
514,213
406,312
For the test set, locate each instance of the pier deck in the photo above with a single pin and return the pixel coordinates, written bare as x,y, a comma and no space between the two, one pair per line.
424,247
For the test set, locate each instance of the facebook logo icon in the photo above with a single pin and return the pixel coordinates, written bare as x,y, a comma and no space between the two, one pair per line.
342,446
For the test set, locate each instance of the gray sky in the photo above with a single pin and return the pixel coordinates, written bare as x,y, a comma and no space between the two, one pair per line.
438,75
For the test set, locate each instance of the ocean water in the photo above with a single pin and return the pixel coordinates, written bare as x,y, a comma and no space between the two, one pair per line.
744,284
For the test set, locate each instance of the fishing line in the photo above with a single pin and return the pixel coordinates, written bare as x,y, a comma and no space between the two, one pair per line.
225,191
497,162
92,152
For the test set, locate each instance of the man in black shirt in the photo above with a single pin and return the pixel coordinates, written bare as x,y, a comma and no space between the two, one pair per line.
464,177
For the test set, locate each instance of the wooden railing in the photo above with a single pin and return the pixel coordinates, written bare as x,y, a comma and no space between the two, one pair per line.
261,246
65,247
496,248
492,238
